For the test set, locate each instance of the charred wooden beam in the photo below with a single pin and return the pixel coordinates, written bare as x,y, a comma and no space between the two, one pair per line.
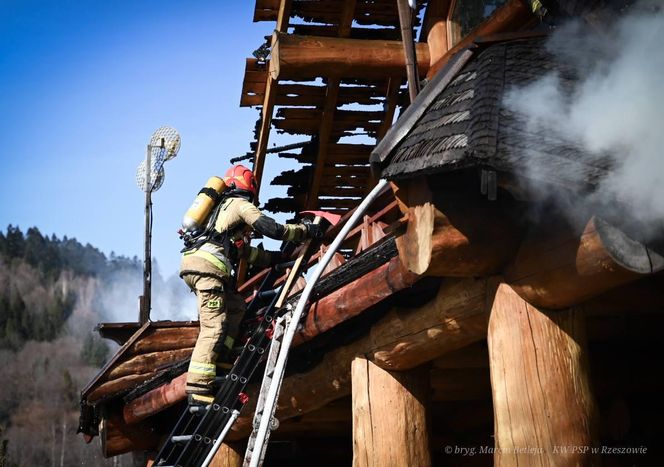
332,30
300,57
403,339
147,363
310,95
268,101
347,302
117,437
329,130
155,401
117,386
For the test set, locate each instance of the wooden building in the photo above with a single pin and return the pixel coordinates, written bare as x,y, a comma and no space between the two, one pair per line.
470,319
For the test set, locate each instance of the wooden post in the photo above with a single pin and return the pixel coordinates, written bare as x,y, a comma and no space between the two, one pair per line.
544,410
228,455
389,416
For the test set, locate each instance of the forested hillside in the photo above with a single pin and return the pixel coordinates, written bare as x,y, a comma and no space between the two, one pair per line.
52,293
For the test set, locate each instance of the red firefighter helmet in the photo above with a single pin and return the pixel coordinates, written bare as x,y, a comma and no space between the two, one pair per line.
241,178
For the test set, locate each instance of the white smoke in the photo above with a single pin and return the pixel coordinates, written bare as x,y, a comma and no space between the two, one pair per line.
616,109
118,297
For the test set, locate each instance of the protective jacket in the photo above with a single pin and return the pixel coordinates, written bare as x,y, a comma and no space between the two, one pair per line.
206,268
220,253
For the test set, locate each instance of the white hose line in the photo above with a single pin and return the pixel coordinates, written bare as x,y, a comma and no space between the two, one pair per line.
273,393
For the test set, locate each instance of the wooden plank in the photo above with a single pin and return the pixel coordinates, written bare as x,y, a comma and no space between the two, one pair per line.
268,103
324,137
359,116
341,191
116,386
338,203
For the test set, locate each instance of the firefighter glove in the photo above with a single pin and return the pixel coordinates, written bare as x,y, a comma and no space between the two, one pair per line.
314,231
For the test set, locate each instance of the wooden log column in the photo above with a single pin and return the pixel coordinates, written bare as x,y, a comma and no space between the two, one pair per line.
228,455
543,404
389,416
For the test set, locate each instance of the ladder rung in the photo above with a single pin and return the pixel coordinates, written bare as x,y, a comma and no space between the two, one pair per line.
268,293
283,266
195,409
180,438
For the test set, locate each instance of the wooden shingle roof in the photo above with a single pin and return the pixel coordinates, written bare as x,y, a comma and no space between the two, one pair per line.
469,125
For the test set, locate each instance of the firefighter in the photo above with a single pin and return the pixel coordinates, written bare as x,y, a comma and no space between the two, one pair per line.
208,265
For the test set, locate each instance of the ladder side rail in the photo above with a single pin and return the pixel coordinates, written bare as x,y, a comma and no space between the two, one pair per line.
299,310
228,396
234,415
268,375
188,420
263,451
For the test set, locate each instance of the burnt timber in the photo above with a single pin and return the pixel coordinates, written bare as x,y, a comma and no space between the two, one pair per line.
455,317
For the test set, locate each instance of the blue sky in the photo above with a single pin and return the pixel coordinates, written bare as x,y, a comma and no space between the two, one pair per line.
83,84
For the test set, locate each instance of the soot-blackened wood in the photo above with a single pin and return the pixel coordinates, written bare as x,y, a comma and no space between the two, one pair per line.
343,304
403,339
165,339
154,401
117,387
147,363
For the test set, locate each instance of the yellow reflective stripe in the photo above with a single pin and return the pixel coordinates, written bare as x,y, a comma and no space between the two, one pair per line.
209,257
199,368
290,233
229,341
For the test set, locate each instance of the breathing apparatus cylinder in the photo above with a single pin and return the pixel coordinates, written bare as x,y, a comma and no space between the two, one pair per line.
195,217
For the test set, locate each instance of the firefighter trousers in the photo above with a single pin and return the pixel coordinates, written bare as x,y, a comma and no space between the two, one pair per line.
219,311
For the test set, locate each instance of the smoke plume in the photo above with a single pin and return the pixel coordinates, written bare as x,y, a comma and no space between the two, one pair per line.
615,110
117,297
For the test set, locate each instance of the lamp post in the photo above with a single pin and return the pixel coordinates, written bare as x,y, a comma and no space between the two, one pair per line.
164,145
